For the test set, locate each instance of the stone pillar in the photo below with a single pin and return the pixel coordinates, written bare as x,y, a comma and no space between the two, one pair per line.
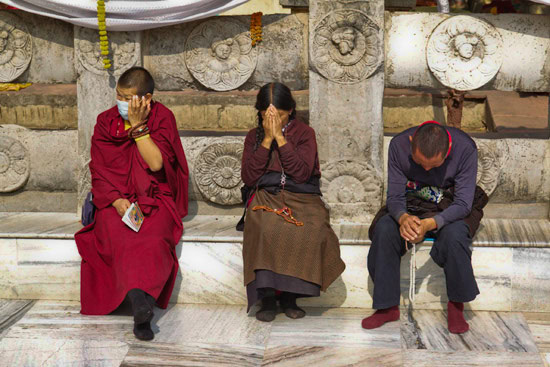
346,83
96,87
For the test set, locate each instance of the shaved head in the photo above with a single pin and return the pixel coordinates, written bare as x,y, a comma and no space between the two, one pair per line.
138,78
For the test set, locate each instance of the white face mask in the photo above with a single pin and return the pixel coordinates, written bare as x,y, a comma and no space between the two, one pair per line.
122,109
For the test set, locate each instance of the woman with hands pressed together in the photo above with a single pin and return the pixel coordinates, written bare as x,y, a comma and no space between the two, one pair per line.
289,248
137,157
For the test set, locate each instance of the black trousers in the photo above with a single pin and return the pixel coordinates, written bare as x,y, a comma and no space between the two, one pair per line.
451,251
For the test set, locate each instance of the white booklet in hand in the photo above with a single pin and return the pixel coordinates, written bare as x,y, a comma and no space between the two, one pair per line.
133,217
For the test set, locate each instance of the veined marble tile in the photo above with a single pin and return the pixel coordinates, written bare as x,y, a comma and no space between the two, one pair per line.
306,356
193,354
351,289
219,324
61,353
489,331
539,324
332,328
513,233
531,279
47,251
11,311
492,269
62,320
212,228
41,281
211,273
428,358
39,225
8,254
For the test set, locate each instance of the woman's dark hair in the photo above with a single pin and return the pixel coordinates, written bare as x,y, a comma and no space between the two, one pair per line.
280,96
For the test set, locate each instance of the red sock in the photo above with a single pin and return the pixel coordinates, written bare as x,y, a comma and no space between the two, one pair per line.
380,317
455,318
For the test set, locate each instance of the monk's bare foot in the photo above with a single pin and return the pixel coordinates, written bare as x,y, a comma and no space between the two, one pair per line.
289,306
143,331
268,311
380,317
455,318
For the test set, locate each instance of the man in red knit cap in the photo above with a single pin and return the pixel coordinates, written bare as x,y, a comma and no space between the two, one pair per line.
432,174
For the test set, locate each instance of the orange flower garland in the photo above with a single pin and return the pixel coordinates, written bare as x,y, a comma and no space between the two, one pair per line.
256,28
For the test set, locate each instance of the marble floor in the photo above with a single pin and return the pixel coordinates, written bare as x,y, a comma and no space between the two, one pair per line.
53,333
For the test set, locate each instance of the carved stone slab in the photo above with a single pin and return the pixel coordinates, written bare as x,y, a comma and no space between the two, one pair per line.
219,54
346,46
488,166
124,50
351,188
464,53
15,47
218,172
14,164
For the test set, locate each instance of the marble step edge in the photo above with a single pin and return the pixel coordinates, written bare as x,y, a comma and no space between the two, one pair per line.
221,229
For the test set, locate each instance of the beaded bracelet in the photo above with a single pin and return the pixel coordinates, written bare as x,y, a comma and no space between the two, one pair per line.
139,130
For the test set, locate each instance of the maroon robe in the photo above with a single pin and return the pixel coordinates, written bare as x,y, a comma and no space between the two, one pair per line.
115,259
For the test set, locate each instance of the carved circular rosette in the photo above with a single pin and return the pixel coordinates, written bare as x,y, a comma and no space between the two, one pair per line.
124,50
218,172
14,164
349,182
346,46
488,167
464,53
219,54
15,47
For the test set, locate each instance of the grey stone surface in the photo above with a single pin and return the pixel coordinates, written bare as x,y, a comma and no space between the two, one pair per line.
525,36
96,88
38,201
282,54
41,106
52,51
52,156
15,47
346,111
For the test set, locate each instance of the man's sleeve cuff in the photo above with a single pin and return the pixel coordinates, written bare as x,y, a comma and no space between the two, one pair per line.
399,214
439,221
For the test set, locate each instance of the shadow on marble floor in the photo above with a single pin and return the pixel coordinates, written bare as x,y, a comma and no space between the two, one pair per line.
48,333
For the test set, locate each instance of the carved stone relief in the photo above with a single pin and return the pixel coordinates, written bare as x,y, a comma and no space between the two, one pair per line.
218,172
14,164
464,53
219,54
488,167
15,47
350,182
124,50
346,46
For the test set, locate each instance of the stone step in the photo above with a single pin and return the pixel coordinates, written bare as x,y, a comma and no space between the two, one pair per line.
39,260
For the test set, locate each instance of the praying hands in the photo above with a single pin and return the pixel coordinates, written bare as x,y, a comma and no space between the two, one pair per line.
273,122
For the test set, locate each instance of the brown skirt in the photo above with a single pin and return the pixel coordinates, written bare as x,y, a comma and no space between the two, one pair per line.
310,252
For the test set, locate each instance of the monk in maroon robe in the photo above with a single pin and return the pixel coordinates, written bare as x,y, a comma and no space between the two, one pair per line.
137,157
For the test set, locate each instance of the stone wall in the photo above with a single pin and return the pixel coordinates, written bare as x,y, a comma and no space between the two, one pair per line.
425,57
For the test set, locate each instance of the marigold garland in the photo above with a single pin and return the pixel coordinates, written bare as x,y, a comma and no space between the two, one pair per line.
103,40
256,28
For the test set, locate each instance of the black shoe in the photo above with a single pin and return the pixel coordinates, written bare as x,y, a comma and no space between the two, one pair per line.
289,306
268,311
143,311
143,331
